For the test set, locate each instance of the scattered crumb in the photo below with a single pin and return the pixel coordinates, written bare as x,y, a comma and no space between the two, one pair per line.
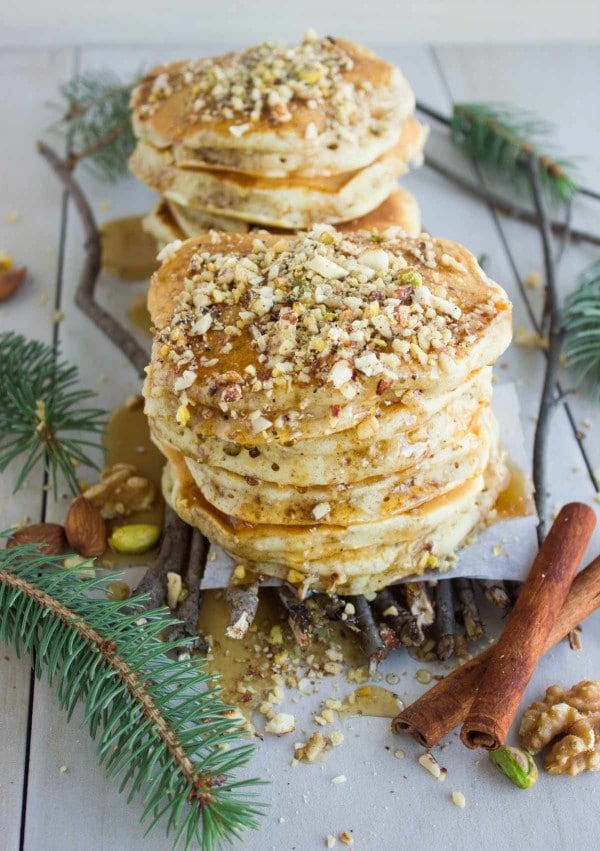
533,280
63,769
430,764
347,838
499,550
312,750
281,820
392,679
58,316
280,724
459,800
330,840
529,339
341,778
423,676
12,217
336,738
399,754
597,497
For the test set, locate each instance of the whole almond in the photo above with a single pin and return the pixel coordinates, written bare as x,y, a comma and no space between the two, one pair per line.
85,528
11,281
50,537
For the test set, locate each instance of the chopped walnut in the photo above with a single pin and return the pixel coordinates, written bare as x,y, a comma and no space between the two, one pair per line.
121,492
570,718
541,724
579,750
313,749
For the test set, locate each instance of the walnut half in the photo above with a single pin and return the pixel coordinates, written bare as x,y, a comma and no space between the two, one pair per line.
571,719
121,492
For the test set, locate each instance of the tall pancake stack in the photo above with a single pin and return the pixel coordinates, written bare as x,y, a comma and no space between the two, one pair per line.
277,138
323,399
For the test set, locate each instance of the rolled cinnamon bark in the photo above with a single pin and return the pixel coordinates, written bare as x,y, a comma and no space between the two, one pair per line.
447,704
522,642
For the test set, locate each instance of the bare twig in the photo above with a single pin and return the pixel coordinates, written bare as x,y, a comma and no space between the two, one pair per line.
402,622
468,607
555,336
85,293
172,556
509,208
243,604
187,611
513,587
299,617
444,618
370,640
418,601
495,591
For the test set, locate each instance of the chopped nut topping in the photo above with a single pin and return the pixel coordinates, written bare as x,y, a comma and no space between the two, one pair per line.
459,800
313,749
121,492
281,723
429,762
317,310
266,82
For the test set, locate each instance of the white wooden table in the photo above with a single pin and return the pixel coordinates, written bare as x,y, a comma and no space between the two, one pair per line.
44,808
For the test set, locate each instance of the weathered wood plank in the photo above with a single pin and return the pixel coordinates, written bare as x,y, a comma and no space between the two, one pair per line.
30,223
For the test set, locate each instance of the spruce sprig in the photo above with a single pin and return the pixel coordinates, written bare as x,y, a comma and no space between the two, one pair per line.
97,118
43,417
502,137
581,322
161,726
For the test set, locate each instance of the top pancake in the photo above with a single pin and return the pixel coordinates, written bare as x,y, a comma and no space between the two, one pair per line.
278,337
323,107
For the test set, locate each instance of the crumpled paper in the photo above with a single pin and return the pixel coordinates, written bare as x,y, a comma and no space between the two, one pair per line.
504,550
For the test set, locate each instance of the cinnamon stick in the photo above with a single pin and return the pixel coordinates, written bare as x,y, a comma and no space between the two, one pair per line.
522,642
446,705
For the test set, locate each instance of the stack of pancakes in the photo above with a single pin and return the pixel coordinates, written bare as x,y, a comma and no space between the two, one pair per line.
323,400
278,138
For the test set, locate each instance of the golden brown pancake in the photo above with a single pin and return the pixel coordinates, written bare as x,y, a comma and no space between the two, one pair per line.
353,369
323,107
169,221
290,202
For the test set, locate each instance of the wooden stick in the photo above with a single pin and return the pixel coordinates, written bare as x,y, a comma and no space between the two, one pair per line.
299,616
522,643
444,616
187,611
243,604
171,558
400,620
465,595
85,294
370,640
494,590
446,705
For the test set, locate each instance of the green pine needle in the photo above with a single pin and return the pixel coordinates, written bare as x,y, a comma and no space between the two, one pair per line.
42,413
161,727
97,118
581,322
501,137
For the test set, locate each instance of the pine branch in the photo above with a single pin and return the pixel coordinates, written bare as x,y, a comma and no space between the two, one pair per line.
42,414
97,119
161,725
581,323
503,138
